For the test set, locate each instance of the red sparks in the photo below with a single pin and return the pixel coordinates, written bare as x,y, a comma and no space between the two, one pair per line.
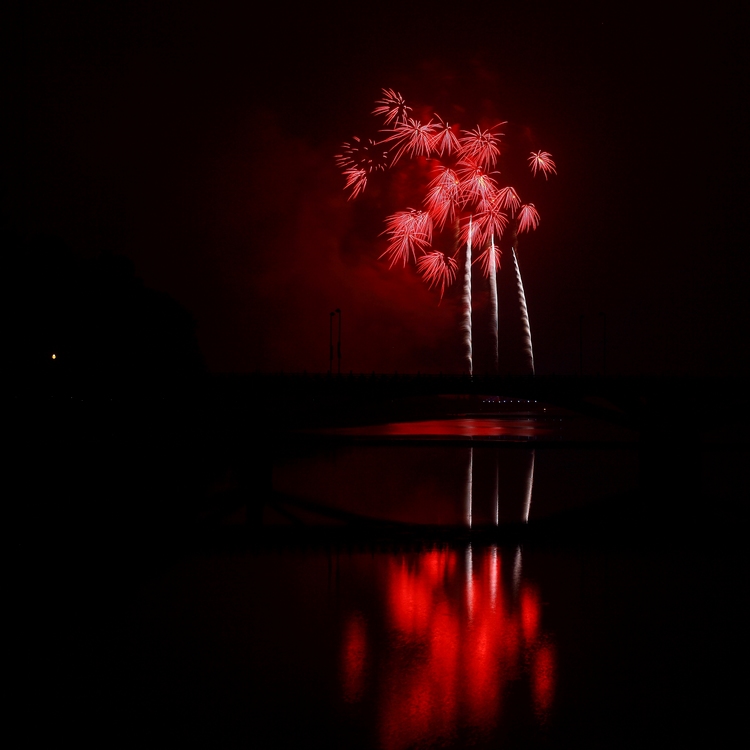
490,222
508,199
356,179
409,231
392,106
445,140
358,159
542,161
528,218
437,269
370,155
481,146
443,196
476,184
415,138
486,259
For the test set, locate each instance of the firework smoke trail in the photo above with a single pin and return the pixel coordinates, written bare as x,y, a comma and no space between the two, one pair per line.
466,325
493,300
528,348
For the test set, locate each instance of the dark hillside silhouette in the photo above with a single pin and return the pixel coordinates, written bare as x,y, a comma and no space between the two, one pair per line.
96,317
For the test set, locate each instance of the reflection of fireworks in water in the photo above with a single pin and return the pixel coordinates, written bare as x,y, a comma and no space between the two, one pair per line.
475,491
496,491
468,496
475,635
529,489
463,190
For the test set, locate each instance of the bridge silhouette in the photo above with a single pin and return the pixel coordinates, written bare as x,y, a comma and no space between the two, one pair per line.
639,402
675,419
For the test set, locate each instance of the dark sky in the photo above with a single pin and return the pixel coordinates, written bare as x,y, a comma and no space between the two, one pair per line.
198,140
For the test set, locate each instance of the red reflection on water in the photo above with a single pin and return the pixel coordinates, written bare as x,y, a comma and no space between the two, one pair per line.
529,613
354,650
467,427
412,593
458,639
543,671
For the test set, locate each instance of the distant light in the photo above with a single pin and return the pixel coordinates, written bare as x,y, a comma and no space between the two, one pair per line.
54,356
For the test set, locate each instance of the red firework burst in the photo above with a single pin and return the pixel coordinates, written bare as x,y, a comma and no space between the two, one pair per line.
409,231
414,138
508,199
486,258
367,154
437,269
445,141
476,184
481,146
490,222
528,218
443,197
392,106
463,189
541,161
356,179
359,159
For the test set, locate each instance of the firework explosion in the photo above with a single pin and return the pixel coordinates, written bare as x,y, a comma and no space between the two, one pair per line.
463,195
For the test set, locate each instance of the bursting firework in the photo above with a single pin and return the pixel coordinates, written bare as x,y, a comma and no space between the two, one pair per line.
464,195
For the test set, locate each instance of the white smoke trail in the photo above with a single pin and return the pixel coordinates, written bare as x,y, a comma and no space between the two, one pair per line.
466,325
528,348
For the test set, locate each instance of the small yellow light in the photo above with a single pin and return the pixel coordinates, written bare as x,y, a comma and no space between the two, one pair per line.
54,356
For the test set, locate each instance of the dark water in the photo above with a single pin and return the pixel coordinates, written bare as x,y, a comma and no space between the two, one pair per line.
469,472
471,486
453,646
593,634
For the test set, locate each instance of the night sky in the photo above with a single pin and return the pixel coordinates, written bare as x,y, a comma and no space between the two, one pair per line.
197,140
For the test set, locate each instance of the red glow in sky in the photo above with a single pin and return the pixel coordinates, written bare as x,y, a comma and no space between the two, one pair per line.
197,141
